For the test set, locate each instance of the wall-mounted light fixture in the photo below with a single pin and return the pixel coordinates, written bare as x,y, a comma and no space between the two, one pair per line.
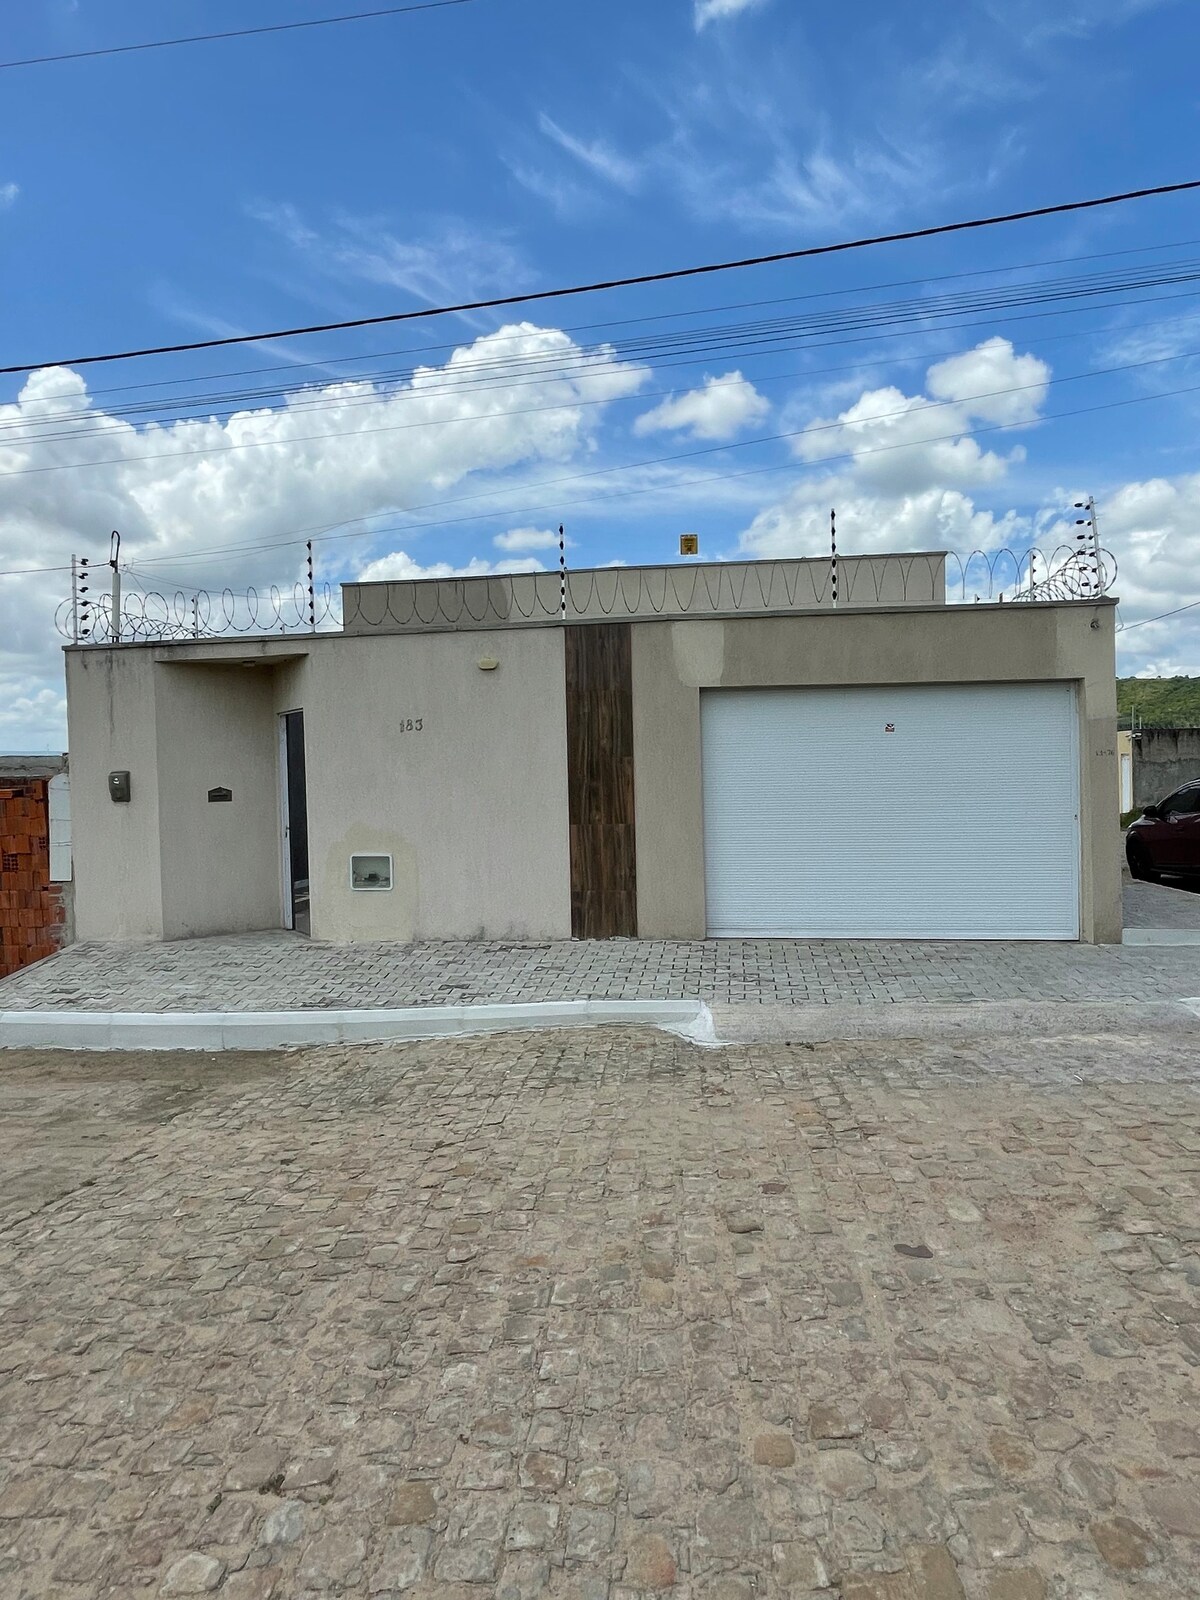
488,664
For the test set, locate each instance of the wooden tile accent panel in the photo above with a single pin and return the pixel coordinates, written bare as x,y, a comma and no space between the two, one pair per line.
599,665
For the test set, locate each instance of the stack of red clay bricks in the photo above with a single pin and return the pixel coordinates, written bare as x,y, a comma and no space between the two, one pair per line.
31,911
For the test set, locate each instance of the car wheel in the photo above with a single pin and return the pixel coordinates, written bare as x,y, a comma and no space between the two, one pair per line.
1139,863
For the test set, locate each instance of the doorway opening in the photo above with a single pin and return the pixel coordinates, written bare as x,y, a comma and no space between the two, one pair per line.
294,812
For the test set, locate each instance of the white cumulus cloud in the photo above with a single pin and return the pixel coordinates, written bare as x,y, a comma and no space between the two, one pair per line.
400,567
932,518
30,722
913,463
1153,529
718,410
927,497
527,539
979,378
9,193
335,453
718,10
906,444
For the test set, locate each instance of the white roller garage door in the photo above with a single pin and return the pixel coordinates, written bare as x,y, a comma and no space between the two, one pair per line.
932,812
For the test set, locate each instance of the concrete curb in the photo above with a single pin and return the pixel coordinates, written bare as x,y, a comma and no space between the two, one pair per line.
279,1030
1160,938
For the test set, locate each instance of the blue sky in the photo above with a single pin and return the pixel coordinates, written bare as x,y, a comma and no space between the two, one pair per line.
519,144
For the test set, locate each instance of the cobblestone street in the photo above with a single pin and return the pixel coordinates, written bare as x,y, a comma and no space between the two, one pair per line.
604,1315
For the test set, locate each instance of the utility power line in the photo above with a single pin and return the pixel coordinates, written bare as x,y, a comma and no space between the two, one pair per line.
577,373
233,33
706,342
657,316
1162,616
580,373
603,286
576,368
578,402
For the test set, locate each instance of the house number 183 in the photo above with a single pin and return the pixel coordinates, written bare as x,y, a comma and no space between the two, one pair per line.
411,725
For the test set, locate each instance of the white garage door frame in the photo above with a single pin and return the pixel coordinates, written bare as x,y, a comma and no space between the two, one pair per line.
931,811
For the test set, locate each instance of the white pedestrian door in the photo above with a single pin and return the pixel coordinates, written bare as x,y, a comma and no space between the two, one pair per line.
930,812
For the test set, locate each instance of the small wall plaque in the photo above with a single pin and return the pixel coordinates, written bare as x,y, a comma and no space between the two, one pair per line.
220,794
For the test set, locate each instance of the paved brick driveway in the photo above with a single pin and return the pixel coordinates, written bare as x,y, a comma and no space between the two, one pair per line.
602,1315
281,971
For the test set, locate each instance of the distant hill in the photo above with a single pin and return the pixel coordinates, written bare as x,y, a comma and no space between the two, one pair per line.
1159,702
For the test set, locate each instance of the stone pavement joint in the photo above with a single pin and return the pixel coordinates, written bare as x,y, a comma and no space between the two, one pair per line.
285,972
603,1316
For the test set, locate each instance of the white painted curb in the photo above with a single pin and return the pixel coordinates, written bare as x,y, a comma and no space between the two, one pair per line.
278,1030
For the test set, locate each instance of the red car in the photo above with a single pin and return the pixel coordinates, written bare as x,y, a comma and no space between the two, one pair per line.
1165,840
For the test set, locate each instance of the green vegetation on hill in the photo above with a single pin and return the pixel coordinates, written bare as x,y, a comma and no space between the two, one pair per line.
1159,702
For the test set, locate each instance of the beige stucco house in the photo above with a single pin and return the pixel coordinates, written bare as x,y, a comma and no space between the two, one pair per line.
675,753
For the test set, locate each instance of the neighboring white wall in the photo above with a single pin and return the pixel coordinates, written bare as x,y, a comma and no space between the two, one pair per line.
220,860
1125,764
59,792
472,808
111,727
